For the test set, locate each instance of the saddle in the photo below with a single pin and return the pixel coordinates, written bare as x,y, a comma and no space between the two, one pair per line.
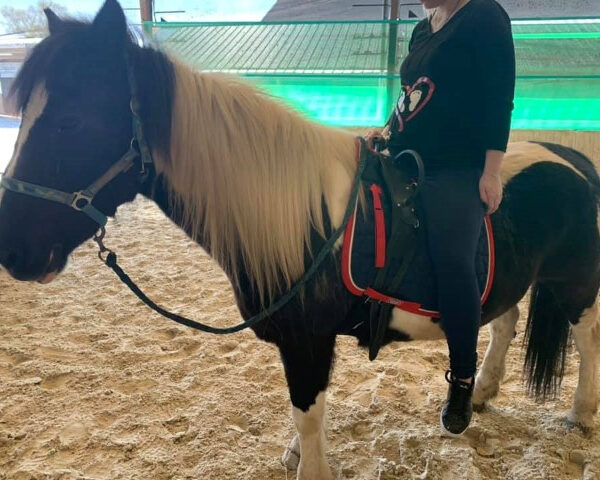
384,257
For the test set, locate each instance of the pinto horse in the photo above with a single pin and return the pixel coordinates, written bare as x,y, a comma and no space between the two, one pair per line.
260,188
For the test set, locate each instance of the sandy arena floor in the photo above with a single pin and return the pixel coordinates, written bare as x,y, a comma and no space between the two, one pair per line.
94,386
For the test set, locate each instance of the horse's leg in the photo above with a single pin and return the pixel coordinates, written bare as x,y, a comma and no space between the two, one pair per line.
487,383
587,338
307,361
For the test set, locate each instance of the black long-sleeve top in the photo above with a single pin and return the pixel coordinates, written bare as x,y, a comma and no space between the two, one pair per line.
457,88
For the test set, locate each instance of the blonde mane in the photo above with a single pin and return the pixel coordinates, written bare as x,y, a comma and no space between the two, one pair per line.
250,176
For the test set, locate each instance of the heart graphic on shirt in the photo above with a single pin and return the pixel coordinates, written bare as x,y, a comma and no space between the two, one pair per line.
413,99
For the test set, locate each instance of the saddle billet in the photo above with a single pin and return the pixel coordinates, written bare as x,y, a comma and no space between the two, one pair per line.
401,176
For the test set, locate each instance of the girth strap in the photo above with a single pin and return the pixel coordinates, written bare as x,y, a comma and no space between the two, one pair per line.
402,244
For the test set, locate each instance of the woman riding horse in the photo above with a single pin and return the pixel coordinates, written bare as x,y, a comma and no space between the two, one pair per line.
458,83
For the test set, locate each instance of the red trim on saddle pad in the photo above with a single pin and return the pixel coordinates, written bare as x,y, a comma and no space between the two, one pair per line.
376,191
491,259
411,307
348,237
346,252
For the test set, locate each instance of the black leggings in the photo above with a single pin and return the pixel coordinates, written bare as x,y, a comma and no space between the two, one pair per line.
454,216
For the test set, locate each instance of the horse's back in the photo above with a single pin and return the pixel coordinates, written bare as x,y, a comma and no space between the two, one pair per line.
522,155
551,200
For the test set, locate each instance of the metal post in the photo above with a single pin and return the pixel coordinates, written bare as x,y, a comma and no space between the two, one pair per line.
392,54
394,9
146,14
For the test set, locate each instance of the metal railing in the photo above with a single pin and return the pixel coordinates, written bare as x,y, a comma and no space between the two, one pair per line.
312,63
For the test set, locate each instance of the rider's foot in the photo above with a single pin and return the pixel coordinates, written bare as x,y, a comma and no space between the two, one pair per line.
458,409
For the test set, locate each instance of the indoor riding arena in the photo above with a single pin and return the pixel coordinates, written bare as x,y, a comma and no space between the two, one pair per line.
95,386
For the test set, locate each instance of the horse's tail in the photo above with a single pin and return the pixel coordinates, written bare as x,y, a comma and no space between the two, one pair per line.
553,305
547,337
580,162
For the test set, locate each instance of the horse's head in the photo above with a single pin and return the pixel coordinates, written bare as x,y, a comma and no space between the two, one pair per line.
74,96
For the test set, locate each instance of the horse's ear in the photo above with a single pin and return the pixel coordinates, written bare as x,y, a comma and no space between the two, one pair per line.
110,24
54,23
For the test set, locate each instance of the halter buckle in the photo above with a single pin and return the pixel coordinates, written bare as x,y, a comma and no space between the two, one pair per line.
81,200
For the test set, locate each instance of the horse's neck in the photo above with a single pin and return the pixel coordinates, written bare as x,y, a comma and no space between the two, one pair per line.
338,182
237,179
155,91
155,189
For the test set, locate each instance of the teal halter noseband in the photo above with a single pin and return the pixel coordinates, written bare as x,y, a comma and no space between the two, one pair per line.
82,199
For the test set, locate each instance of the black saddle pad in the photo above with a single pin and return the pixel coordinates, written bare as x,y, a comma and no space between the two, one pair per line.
365,240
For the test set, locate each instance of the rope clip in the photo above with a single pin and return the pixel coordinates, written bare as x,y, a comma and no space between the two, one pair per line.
99,239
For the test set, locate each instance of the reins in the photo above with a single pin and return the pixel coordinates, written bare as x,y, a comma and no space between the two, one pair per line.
82,201
111,262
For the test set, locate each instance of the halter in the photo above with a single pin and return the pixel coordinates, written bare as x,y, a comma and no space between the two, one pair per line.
82,199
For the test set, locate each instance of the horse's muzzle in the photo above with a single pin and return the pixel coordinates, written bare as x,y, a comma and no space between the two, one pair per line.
22,264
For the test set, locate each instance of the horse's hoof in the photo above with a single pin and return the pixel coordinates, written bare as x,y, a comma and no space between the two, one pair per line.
291,457
586,430
482,394
479,407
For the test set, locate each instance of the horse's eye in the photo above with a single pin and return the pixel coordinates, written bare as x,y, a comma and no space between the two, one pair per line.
68,122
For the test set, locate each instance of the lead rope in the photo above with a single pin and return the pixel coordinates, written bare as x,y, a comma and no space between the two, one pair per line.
111,261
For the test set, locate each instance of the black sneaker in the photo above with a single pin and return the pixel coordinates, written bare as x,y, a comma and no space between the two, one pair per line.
458,409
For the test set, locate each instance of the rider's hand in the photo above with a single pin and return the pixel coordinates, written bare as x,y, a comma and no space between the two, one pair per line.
490,190
490,183
375,133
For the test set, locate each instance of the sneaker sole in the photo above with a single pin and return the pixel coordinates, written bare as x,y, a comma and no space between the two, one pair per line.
448,433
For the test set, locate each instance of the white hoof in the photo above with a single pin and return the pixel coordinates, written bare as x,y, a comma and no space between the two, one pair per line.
482,393
585,422
291,457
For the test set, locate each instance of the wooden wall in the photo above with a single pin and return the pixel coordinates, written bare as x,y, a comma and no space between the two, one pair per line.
587,143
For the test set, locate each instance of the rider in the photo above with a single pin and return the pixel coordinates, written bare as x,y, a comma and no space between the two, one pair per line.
455,109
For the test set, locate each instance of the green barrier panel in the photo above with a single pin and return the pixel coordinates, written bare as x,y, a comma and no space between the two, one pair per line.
346,73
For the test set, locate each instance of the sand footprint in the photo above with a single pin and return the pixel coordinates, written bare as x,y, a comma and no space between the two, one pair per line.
13,359
165,334
186,351
228,346
362,431
177,425
130,387
53,382
50,353
365,393
78,339
105,419
237,423
72,434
